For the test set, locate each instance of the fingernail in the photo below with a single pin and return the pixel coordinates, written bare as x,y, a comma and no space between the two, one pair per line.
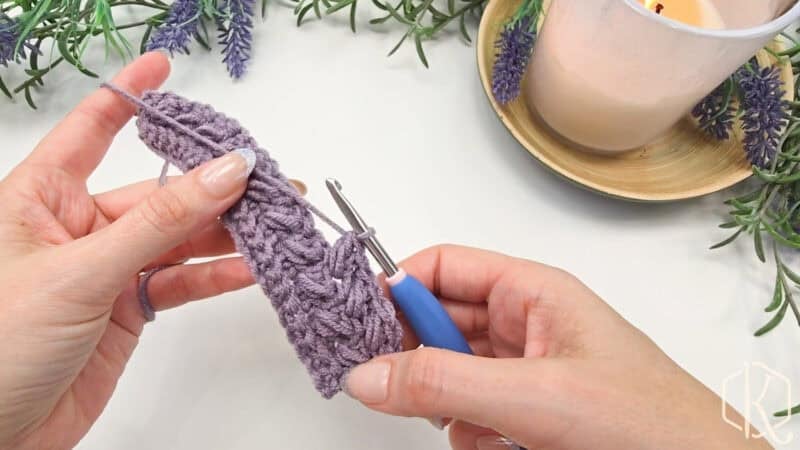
495,443
437,422
224,175
369,382
299,185
249,156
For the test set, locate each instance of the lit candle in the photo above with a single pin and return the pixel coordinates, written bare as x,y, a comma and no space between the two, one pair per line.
609,76
698,13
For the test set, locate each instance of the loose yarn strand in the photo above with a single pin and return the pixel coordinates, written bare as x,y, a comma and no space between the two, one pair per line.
148,311
162,177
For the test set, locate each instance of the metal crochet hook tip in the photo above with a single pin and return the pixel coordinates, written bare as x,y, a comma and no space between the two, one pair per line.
360,227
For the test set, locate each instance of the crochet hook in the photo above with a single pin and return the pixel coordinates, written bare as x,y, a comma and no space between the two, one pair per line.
429,320
425,314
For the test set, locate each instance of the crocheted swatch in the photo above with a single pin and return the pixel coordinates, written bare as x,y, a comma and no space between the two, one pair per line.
326,296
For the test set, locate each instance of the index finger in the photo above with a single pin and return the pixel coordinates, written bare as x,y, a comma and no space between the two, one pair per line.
459,273
79,142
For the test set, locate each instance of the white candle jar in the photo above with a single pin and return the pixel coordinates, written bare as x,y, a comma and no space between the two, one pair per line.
611,76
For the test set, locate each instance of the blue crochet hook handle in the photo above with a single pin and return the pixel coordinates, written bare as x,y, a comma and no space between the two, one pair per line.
425,314
431,323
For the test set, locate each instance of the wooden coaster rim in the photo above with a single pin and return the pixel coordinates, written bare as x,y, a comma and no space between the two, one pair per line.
682,165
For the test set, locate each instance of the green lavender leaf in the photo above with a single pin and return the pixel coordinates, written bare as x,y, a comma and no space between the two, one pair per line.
380,20
203,39
792,275
793,411
437,15
29,98
393,50
774,322
353,16
420,51
317,12
303,13
765,175
728,240
33,61
777,296
340,4
145,38
731,224
5,90
462,27
759,245
396,15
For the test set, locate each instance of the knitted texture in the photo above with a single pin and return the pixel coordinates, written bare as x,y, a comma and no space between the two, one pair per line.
326,296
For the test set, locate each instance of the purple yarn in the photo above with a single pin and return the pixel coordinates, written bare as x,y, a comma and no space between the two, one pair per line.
148,311
326,296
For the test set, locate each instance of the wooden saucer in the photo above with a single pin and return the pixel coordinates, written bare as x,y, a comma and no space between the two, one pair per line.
683,164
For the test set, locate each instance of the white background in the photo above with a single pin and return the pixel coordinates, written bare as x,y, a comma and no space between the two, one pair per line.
424,157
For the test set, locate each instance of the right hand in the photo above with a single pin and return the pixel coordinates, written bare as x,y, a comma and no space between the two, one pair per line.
556,367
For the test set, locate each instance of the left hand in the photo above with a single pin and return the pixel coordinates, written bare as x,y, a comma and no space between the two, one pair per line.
69,265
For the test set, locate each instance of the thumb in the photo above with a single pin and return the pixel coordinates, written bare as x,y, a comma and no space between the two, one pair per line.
167,217
430,382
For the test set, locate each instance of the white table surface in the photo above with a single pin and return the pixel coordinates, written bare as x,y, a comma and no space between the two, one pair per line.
425,158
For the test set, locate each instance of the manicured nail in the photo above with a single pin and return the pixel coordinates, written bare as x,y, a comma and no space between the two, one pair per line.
437,422
249,156
223,176
495,443
369,382
299,185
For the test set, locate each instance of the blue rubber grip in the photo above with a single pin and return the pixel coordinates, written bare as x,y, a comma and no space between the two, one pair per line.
427,317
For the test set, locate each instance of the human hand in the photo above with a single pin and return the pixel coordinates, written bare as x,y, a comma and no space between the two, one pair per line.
556,367
69,265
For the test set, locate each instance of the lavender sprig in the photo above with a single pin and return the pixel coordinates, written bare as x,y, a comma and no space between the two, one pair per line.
63,29
715,113
514,51
764,112
9,34
769,213
178,29
236,35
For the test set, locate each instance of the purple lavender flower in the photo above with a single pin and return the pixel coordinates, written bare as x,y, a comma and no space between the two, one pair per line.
177,30
8,40
514,51
236,35
715,112
765,112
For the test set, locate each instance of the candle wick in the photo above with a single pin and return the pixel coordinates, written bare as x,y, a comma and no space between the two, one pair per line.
659,8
